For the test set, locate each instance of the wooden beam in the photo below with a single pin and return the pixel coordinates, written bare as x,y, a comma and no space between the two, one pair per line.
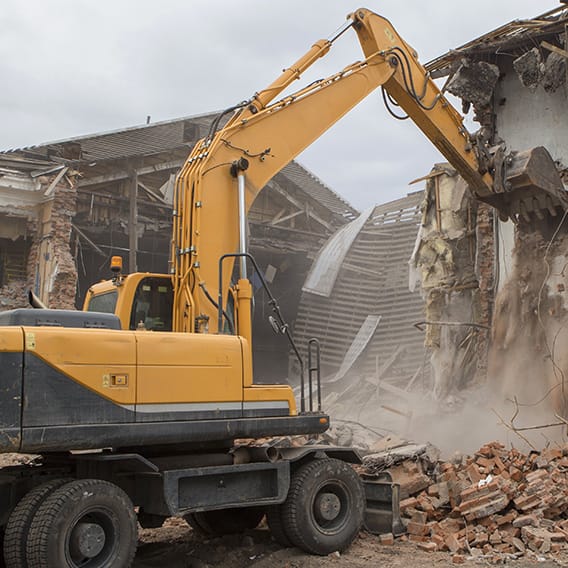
89,241
125,174
55,181
278,216
554,48
286,218
152,194
298,204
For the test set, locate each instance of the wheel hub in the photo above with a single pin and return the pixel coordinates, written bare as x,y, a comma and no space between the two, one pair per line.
327,506
87,540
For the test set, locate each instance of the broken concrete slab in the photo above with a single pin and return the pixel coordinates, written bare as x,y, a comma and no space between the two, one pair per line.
474,82
530,68
554,72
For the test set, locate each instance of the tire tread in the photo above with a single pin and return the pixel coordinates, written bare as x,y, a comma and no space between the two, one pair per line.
40,532
291,513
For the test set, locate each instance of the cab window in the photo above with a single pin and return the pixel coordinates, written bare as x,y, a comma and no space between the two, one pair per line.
152,306
105,302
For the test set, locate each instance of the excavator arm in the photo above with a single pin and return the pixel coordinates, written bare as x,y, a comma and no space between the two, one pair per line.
227,169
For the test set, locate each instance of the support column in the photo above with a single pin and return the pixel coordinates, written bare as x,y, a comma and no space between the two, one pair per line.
133,222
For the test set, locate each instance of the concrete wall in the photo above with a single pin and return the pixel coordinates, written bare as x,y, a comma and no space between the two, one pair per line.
526,118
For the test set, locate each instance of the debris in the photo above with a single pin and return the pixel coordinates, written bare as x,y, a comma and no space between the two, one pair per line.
474,82
533,71
530,68
554,72
495,517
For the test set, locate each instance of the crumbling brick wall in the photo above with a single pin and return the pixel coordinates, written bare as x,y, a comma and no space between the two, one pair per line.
64,281
52,273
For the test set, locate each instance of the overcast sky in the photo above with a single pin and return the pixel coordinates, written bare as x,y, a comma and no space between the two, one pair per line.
75,67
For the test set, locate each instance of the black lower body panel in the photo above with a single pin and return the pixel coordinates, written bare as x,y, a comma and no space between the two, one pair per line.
92,436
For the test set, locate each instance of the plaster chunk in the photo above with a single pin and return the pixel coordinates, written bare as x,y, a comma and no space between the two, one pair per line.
530,68
474,82
554,72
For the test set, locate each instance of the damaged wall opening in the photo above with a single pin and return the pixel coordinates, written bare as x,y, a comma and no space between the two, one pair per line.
13,260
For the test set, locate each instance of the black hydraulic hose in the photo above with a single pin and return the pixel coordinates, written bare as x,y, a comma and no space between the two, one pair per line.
410,85
388,107
215,124
283,326
210,298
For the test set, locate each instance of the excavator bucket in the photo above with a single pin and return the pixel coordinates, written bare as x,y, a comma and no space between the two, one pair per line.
532,187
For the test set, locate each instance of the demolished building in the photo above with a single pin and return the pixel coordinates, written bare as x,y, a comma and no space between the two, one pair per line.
66,207
515,80
494,290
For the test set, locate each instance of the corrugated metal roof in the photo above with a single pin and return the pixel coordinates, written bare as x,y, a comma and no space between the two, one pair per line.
373,280
142,140
154,139
512,38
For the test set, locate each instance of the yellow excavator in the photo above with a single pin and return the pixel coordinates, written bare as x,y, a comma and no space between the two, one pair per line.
136,401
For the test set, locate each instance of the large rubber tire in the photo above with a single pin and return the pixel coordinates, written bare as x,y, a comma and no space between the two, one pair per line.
276,526
88,523
16,532
225,521
324,509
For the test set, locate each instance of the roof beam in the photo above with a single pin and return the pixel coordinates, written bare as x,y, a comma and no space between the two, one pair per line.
124,174
299,205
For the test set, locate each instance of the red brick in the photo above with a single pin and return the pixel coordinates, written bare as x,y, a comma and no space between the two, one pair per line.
453,543
417,528
428,546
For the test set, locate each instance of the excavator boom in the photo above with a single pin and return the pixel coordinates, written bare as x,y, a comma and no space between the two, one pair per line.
232,164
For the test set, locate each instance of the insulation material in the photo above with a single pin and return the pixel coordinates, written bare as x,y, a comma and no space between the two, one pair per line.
445,259
325,269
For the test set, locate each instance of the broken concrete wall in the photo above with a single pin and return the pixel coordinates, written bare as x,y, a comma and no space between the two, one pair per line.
42,207
526,117
528,361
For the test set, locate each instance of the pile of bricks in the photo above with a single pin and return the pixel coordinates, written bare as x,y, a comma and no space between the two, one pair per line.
497,504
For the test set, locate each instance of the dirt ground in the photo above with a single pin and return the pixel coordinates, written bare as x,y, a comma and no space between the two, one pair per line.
176,546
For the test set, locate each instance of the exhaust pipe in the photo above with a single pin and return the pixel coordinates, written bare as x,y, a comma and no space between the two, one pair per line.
35,302
253,454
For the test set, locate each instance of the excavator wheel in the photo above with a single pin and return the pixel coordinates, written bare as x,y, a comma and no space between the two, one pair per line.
86,522
225,521
16,533
276,526
324,509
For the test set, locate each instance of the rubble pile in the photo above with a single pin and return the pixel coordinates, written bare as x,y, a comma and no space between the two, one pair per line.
13,295
497,504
